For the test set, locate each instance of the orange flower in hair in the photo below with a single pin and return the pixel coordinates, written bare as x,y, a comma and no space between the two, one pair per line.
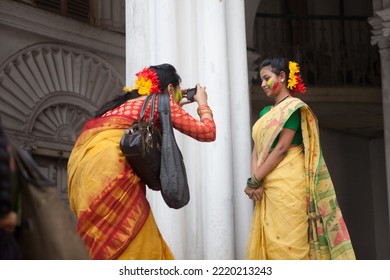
147,82
295,82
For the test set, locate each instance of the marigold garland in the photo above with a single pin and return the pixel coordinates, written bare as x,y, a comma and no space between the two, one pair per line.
295,82
147,82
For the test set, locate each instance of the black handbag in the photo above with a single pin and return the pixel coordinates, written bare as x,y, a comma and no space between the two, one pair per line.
141,146
173,176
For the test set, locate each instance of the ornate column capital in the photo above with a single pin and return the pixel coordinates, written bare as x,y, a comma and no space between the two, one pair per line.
381,28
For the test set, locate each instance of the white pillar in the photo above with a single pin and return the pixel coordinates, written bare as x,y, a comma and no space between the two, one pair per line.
385,65
381,36
205,41
240,115
137,38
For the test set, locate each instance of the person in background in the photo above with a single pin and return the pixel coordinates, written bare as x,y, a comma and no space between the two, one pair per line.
296,213
108,198
9,247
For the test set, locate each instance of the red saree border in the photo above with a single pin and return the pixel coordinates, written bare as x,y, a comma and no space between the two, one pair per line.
108,122
117,214
108,235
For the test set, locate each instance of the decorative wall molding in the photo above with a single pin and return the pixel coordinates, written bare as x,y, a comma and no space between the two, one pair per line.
48,91
385,16
381,28
111,15
57,27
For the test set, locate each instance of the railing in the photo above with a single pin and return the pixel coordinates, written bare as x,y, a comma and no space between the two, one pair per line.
332,50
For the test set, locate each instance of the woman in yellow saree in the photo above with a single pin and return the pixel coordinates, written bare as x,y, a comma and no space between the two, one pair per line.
296,214
108,198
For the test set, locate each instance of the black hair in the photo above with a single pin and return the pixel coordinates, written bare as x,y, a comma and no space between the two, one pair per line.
277,64
5,175
166,75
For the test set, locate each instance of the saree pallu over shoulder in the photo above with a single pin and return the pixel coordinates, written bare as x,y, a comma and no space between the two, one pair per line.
104,193
328,234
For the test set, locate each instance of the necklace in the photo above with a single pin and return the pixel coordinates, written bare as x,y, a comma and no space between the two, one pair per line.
281,100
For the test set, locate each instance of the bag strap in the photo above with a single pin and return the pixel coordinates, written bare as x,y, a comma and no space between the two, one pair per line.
163,103
29,168
164,110
144,105
151,115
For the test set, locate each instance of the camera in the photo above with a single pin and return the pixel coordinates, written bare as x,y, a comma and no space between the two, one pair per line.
190,93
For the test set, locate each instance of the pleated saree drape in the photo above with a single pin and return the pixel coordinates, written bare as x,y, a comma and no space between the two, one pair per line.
298,216
114,216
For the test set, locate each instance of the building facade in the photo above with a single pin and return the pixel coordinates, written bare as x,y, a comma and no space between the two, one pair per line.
63,61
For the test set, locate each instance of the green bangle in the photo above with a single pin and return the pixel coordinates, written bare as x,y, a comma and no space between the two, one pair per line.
250,184
257,181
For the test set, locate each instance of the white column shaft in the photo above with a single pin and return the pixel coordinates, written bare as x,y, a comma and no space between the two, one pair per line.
200,39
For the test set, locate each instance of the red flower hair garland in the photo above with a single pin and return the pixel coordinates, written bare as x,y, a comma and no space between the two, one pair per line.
295,82
147,82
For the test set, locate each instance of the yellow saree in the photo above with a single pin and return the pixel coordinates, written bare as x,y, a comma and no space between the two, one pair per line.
298,216
114,216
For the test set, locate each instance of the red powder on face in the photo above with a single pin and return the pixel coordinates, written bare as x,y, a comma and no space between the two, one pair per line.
272,84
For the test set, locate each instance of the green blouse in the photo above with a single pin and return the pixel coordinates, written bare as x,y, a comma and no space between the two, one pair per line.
293,122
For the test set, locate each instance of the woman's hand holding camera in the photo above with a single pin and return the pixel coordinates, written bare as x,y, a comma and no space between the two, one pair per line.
201,95
203,110
197,94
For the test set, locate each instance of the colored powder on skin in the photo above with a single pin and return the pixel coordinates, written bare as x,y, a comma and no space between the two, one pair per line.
178,96
272,84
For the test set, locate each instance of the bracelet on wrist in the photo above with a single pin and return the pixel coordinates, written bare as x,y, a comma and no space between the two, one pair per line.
257,181
203,106
251,184
204,111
